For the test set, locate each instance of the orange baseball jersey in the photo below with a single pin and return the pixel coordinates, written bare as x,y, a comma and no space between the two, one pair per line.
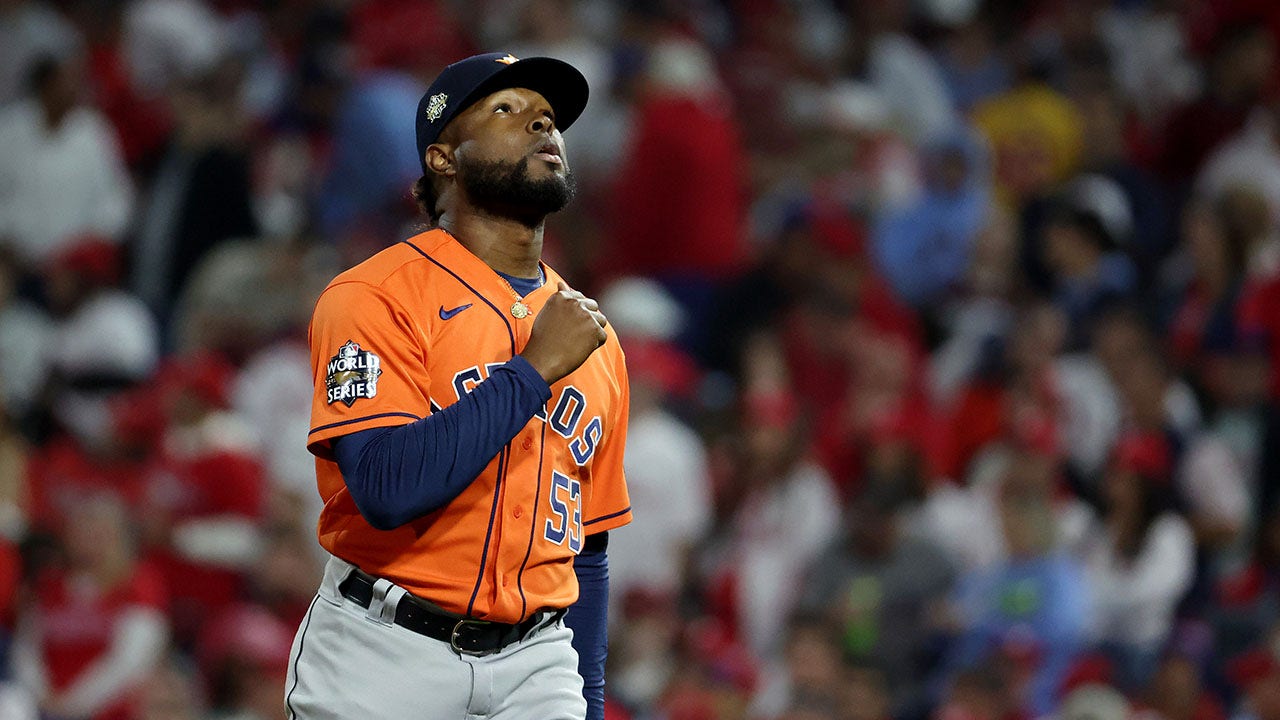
407,333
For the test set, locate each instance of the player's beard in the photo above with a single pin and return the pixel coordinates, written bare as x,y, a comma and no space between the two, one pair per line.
506,188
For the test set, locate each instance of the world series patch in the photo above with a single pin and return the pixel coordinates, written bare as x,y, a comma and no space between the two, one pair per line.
352,374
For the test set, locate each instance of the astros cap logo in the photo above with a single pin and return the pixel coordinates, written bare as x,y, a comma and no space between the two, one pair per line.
508,59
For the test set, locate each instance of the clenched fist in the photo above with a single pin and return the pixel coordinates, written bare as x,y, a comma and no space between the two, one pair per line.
568,329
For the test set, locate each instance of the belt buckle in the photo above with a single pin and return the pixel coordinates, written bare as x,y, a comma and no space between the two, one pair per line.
457,628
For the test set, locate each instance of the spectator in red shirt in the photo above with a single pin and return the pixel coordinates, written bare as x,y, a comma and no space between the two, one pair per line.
62,471
1018,382
679,203
245,652
1241,63
1257,673
1259,318
204,493
97,628
1246,599
103,343
1204,324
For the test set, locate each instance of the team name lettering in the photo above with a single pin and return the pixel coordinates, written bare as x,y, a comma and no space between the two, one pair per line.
564,413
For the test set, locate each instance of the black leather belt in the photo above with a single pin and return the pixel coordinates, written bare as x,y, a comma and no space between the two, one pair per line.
464,635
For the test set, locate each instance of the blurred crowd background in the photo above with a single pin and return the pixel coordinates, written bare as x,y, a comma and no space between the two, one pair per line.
953,329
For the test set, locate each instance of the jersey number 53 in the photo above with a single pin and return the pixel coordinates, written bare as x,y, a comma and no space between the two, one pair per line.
566,523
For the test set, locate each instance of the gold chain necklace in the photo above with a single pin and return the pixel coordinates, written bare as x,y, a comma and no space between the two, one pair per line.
519,310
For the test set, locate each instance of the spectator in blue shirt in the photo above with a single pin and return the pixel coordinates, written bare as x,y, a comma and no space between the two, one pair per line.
1032,608
924,248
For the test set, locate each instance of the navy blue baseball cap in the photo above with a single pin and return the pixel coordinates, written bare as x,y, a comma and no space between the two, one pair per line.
465,82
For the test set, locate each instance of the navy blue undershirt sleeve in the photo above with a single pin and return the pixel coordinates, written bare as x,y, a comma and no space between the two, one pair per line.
589,620
396,475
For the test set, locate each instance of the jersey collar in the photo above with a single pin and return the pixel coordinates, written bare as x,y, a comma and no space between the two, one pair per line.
444,247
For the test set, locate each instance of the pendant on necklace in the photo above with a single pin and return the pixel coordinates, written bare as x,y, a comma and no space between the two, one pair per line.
519,310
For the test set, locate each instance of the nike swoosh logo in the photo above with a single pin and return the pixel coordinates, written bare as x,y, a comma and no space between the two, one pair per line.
446,314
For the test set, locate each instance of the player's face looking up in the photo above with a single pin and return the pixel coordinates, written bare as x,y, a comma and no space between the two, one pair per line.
506,156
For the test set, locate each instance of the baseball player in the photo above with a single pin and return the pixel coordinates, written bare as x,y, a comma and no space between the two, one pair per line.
468,424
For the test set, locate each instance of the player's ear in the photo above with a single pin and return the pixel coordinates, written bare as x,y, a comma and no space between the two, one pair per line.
439,159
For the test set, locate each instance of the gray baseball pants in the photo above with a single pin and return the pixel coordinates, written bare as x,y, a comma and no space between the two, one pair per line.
350,663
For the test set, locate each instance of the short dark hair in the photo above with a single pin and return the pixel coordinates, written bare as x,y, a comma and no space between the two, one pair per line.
424,194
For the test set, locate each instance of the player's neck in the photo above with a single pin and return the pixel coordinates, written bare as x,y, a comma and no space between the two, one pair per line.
504,244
